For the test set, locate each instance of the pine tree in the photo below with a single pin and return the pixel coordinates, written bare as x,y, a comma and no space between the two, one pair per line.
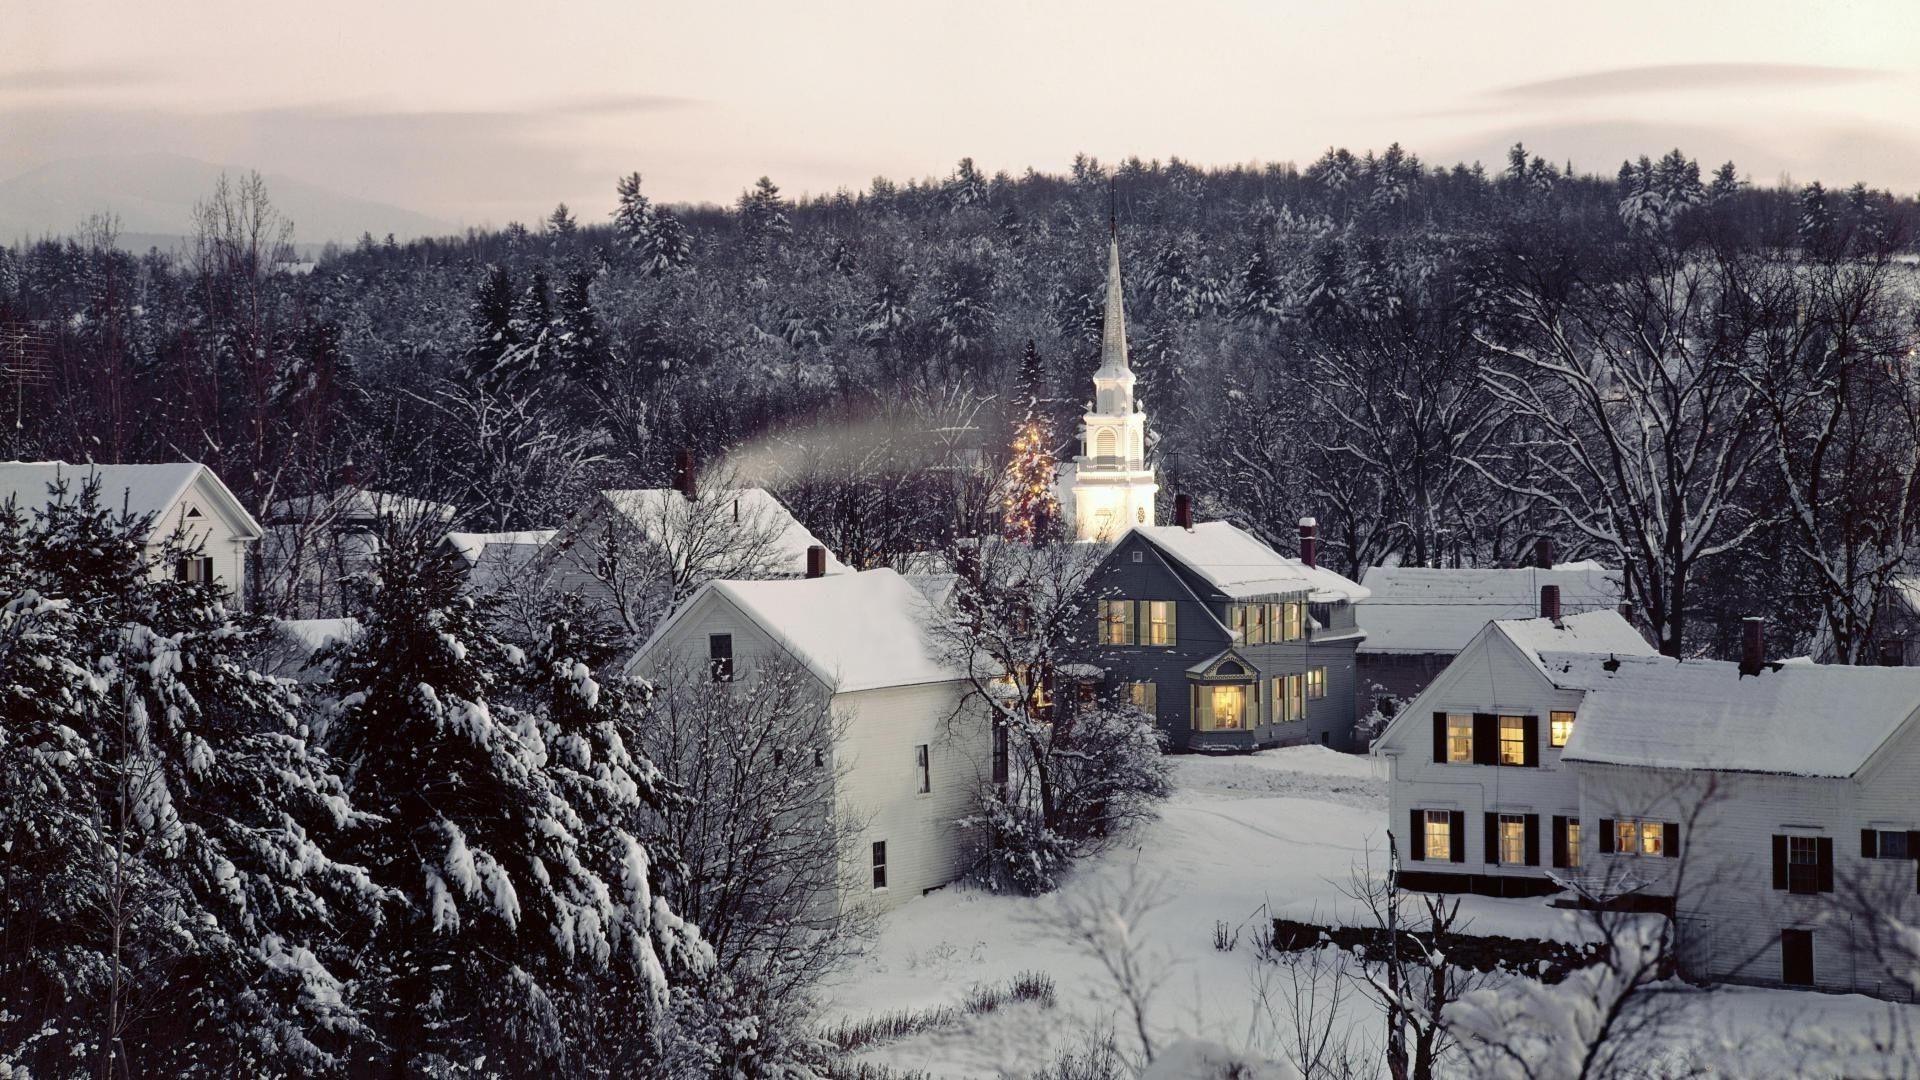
1029,510
523,932
1262,295
493,332
170,908
560,223
578,349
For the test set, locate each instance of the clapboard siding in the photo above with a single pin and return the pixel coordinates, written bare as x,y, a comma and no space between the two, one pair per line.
926,847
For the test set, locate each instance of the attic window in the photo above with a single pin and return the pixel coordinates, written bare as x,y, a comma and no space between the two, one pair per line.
193,512
1229,668
1139,556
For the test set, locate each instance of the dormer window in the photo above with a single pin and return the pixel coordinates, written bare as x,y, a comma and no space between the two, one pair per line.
195,569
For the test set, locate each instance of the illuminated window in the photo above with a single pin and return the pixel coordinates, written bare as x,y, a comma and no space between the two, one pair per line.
1513,740
1159,622
1296,697
1439,836
1573,842
1317,683
1145,696
1460,737
1256,624
1295,618
1226,708
1237,620
1635,837
1560,726
1513,839
1116,622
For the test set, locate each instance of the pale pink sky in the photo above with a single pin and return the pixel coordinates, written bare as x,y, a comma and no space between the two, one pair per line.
483,112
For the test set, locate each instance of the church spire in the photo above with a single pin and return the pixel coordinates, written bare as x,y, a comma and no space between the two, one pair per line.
1113,336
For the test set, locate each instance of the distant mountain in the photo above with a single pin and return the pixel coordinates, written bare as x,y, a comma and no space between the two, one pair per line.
154,196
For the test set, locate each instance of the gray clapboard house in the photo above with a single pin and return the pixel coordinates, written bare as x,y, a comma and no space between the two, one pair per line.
1231,645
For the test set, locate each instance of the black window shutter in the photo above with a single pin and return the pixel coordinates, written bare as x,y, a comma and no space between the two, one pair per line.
1606,836
1670,839
1779,862
1493,839
1457,835
1913,843
1869,844
1559,841
1824,849
1530,754
1486,739
1417,835
1439,736
1533,839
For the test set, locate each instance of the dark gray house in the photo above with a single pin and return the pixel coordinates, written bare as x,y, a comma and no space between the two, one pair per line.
1230,644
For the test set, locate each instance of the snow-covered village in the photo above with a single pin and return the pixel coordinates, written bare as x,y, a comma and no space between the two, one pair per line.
1084,541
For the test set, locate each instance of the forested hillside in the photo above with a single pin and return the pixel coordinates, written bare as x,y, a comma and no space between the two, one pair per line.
1682,374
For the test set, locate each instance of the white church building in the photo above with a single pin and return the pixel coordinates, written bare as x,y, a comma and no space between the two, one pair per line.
1110,486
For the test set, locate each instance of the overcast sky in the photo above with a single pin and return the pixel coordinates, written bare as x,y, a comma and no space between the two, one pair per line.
481,112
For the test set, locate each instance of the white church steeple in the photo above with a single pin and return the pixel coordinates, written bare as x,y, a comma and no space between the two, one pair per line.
1114,485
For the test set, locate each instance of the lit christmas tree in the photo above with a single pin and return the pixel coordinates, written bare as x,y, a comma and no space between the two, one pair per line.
1030,510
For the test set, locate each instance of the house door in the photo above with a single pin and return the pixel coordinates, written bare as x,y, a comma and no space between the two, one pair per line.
1796,957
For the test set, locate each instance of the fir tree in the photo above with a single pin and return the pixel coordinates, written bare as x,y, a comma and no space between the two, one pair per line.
1029,510
560,223
523,919
577,345
494,334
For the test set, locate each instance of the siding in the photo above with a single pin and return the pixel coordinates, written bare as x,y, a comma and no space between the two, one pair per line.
926,847
216,533
1489,676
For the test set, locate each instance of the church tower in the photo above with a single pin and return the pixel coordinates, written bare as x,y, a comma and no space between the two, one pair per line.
1113,485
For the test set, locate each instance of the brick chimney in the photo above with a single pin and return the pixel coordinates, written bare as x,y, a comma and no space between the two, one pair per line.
1753,645
1550,603
1183,511
816,561
683,474
1309,541
1543,553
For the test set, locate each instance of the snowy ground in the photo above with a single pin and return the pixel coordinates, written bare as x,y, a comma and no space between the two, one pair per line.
1281,831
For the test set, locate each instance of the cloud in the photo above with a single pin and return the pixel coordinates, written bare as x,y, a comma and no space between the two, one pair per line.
1668,78
48,80
615,104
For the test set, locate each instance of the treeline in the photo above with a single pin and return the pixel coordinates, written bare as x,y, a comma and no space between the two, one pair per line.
1664,367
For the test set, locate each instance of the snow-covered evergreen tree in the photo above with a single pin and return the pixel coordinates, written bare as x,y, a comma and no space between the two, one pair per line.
523,935
1030,511
170,902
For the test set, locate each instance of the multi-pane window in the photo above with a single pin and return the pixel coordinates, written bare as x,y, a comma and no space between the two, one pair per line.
1296,697
1513,839
1145,696
1294,616
1559,727
1158,622
1573,842
1460,737
1317,683
1237,620
720,657
879,864
922,769
1890,845
196,569
1513,740
1439,838
1803,864
999,752
1256,624
1634,837
1116,622
1226,707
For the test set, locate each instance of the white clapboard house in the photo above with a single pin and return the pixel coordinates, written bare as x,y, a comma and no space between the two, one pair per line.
184,500
1769,807
916,746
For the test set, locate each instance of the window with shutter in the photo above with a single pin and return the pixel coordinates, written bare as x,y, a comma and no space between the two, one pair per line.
1803,864
1513,740
1438,835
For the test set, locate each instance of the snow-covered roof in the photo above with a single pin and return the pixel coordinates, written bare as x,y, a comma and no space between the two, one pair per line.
315,634
1239,565
1604,633
1794,719
1426,610
493,559
855,631
140,489
652,509
353,504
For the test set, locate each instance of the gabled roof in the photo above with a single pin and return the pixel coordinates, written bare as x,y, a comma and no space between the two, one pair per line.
653,509
493,559
1795,719
354,504
854,631
141,489
1240,566
1427,610
1605,633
